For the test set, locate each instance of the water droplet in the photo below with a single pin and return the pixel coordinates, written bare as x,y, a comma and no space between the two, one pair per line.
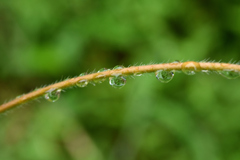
82,83
99,79
53,95
164,75
20,96
206,71
82,74
117,81
176,61
229,74
92,83
137,74
118,67
188,72
102,70
190,68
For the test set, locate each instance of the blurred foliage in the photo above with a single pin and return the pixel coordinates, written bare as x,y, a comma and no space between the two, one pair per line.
190,118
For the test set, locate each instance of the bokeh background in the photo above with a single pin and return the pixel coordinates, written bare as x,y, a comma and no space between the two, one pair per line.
190,118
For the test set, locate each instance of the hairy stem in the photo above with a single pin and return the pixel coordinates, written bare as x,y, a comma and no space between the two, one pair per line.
190,65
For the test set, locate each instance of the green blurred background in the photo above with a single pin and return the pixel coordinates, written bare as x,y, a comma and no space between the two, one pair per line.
191,118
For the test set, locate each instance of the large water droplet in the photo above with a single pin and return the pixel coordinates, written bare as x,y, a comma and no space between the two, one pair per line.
190,68
53,95
229,74
117,81
164,75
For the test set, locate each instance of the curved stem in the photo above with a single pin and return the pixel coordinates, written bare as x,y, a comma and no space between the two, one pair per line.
190,65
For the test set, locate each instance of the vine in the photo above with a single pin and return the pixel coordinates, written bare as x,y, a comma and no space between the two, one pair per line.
117,78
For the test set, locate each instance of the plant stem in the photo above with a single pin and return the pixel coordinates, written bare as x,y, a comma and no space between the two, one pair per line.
190,65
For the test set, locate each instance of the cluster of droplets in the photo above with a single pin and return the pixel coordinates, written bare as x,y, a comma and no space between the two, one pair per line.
118,80
53,95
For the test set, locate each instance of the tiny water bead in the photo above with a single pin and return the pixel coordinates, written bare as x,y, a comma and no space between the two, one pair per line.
53,95
164,76
117,81
92,83
229,74
82,83
102,70
190,68
188,72
82,74
118,67
206,71
137,74
100,78
176,61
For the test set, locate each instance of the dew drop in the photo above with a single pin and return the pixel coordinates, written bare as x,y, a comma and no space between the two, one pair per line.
117,81
137,74
100,80
188,72
53,95
82,74
164,76
118,67
82,83
190,68
20,96
229,74
92,83
102,70
176,61
206,71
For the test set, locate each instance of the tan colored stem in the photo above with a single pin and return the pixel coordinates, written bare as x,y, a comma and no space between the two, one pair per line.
191,65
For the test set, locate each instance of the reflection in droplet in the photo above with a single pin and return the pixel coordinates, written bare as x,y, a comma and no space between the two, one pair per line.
82,83
53,95
164,76
117,81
